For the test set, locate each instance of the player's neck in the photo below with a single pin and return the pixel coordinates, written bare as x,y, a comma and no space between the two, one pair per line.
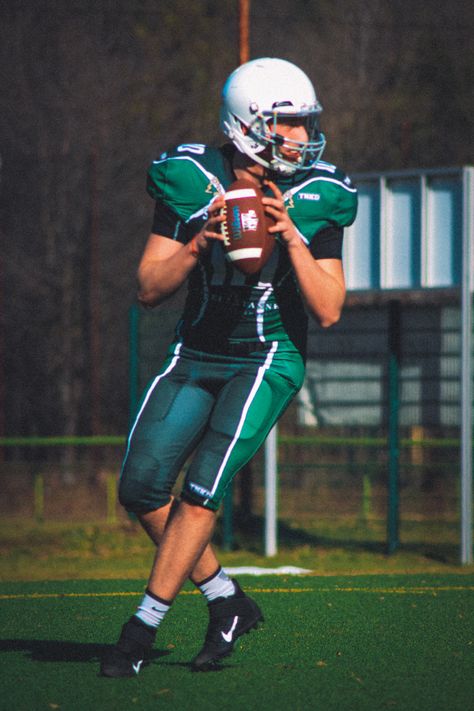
244,167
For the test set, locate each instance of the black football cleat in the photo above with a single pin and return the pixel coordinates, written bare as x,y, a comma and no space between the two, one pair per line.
129,654
229,619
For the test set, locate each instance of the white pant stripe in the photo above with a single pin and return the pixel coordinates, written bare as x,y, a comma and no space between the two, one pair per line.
248,402
147,397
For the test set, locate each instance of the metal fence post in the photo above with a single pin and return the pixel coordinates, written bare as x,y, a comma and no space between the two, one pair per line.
393,426
467,341
271,496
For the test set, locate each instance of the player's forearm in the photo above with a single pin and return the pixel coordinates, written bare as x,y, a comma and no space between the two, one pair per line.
323,293
160,279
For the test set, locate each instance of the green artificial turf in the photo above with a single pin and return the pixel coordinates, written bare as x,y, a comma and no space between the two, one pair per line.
355,643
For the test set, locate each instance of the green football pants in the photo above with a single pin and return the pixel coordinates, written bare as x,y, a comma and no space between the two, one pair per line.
217,408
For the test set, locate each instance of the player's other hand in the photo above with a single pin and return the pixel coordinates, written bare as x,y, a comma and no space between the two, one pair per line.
275,207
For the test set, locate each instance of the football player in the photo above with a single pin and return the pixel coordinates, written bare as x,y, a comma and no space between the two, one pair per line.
239,352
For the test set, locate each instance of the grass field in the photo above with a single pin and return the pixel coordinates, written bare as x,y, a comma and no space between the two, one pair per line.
364,632
328,545
346,642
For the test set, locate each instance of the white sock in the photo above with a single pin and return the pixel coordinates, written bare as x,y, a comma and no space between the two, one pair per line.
217,585
152,609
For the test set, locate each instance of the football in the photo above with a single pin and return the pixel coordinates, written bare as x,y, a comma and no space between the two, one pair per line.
247,242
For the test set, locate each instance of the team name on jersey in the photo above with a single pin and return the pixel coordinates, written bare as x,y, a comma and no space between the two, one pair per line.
248,307
309,196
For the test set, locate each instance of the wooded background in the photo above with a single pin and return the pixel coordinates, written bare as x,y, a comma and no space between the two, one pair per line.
92,90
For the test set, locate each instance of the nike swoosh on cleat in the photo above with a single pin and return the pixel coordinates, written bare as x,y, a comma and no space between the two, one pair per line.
228,635
136,667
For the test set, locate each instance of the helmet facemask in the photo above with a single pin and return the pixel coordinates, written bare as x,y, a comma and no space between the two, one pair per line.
263,130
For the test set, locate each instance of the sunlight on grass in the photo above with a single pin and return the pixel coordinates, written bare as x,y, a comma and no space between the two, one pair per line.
345,545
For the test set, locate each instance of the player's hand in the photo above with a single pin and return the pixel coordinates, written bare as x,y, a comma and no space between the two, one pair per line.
211,229
275,207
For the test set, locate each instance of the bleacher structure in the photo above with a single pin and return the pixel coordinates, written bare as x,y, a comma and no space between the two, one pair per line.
408,325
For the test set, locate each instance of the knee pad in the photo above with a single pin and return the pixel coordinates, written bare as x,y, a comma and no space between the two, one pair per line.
141,488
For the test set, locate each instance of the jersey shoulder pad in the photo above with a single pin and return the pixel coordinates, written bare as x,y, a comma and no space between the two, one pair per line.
184,178
337,195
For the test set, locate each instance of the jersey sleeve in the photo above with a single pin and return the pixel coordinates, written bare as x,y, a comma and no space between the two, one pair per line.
327,243
168,224
180,181
321,206
338,199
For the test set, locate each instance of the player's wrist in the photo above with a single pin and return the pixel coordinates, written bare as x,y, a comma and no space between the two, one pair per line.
193,248
293,241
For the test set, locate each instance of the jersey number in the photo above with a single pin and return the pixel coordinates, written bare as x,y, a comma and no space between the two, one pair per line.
197,148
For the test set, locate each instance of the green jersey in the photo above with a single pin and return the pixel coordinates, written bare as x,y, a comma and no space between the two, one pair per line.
224,307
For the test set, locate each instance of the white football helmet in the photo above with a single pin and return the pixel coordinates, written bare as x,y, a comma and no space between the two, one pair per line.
260,94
